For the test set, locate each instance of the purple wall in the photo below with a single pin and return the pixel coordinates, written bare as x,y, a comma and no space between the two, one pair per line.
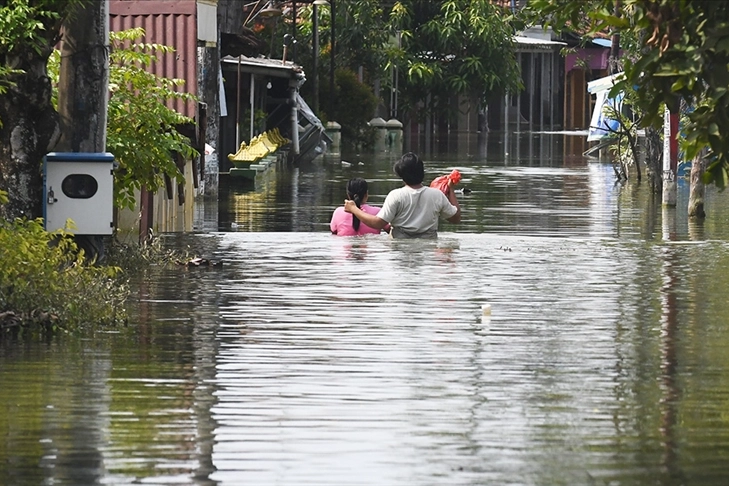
595,58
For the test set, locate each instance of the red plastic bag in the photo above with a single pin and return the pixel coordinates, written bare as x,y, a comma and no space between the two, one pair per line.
441,182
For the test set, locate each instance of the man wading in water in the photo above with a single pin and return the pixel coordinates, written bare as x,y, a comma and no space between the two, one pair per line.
413,210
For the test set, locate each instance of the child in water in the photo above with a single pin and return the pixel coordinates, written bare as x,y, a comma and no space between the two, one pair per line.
346,224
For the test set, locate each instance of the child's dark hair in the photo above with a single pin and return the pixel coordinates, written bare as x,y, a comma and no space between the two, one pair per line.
410,169
356,191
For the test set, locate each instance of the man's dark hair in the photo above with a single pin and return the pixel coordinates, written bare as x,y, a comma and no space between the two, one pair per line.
410,169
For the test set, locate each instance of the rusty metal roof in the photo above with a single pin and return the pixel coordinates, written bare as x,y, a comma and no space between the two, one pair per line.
171,23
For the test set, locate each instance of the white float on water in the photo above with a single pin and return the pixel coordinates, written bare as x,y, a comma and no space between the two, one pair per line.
486,309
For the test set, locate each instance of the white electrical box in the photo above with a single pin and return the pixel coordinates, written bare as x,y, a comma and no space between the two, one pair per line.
79,186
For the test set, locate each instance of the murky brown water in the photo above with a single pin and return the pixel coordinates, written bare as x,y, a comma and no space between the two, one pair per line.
308,359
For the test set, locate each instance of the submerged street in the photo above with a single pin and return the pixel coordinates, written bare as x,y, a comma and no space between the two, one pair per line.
311,359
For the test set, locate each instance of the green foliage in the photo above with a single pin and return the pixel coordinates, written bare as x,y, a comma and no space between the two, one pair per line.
453,47
54,70
45,280
6,81
354,114
362,35
439,49
27,23
362,39
681,53
142,129
259,120
150,252
27,26
625,149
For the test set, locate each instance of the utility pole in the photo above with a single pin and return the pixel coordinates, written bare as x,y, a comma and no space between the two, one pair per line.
84,79
83,91
332,100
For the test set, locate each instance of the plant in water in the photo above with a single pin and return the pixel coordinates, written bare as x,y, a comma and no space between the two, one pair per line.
625,148
151,252
47,284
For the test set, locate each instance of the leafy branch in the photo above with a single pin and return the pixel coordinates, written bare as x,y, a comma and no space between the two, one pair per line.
142,129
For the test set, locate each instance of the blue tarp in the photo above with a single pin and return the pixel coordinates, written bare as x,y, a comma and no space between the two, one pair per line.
602,42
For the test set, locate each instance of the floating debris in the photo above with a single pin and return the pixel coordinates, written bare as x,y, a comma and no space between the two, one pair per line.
201,262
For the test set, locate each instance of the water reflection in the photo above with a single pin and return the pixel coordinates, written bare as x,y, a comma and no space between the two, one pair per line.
537,184
669,363
397,379
308,359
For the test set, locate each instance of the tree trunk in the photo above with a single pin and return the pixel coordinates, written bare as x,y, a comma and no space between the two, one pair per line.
29,128
654,159
84,79
698,189
28,121
614,58
635,152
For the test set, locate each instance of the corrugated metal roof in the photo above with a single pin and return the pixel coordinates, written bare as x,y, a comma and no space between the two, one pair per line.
171,23
531,44
265,66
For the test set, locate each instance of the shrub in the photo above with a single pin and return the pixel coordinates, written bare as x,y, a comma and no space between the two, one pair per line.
47,284
355,107
133,257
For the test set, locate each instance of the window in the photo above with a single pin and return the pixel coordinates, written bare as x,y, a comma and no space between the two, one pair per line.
79,186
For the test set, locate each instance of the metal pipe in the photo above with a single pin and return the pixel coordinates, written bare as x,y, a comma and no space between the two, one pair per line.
252,98
332,101
237,109
518,101
293,30
543,93
315,79
532,111
397,79
294,121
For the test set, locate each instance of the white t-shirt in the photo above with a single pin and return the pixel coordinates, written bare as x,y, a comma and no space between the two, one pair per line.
414,213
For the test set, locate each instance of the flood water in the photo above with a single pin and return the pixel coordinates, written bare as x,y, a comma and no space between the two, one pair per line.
311,359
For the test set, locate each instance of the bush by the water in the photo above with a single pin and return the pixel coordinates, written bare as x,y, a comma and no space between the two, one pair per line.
151,252
47,284
354,111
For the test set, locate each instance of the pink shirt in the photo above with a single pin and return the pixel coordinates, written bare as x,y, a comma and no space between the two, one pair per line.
341,224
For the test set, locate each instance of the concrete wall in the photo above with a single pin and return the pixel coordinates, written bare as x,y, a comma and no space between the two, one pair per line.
168,214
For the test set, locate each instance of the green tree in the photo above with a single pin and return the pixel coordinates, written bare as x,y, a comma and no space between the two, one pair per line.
362,36
453,48
361,43
681,53
353,117
441,49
